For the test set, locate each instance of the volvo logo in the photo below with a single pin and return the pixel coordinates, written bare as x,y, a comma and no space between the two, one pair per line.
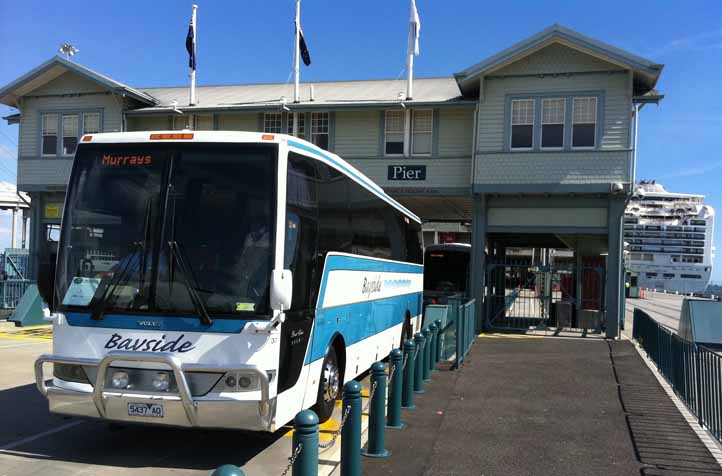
149,323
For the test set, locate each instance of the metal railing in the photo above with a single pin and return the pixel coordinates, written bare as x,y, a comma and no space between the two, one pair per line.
457,328
693,371
11,291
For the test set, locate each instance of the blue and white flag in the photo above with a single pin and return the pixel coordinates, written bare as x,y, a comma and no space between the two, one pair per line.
191,44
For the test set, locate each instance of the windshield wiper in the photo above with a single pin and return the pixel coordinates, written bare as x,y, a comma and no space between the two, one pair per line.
185,271
99,304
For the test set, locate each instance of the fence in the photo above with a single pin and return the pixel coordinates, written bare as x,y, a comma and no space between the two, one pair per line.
694,371
11,291
457,325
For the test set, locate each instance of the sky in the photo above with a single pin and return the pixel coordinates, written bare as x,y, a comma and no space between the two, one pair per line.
142,43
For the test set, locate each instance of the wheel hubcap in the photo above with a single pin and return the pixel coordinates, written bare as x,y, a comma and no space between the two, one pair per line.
330,382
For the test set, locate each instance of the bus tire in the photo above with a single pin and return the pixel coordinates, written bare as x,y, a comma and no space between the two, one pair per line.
406,331
329,386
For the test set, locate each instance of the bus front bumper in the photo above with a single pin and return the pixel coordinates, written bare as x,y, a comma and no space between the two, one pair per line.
176,408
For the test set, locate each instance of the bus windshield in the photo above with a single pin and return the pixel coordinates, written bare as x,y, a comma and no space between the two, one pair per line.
165,228
446,271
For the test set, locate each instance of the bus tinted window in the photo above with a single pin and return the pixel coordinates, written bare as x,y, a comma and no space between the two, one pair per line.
334,226
368,221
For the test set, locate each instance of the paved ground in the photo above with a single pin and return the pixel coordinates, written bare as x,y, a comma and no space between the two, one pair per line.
34,442
543,406
665,308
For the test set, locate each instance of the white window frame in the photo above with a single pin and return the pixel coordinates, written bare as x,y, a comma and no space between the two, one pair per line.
57,133
272,122
77,117
563,124
430,132
402,113
511,123
315,123
596,128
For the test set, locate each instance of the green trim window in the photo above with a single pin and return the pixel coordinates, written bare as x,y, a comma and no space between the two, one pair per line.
320,129
584,122
422,121
70,133
272,122
49,141
553,112
91,123
203,122
394,132
301,124
522,124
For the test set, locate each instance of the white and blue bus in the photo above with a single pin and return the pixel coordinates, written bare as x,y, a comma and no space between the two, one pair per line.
223,280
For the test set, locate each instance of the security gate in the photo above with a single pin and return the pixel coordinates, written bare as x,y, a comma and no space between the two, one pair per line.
520,295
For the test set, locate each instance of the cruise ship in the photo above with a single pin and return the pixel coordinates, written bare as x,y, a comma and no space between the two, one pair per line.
668,239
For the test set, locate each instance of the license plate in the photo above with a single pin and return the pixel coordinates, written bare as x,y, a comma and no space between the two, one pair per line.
153,410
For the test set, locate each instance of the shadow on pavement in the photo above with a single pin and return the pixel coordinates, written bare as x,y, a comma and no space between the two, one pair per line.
25,414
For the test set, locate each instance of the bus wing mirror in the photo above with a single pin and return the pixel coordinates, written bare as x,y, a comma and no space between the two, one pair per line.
281,289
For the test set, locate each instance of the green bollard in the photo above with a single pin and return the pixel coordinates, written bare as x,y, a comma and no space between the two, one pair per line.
426,362
306,435
351,433
439,343
396,371
434,343
377,406
228,470
407,392
419,363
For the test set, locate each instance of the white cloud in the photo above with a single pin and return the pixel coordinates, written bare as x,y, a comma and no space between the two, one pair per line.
705,40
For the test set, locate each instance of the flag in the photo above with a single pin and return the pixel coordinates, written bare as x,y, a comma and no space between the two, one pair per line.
415,28
191,45
305,55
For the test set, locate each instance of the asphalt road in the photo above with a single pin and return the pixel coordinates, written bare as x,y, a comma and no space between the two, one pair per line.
664,308
35,442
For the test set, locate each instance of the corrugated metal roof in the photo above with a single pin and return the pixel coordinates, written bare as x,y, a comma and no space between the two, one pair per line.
426,90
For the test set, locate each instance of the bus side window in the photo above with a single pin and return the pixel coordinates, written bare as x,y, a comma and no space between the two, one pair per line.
301,226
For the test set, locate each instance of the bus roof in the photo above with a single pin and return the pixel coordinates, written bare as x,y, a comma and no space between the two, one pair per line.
448,246
299,145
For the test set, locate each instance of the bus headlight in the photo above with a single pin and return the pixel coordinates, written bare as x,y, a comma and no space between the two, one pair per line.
161,381
70,373
238,382
120,379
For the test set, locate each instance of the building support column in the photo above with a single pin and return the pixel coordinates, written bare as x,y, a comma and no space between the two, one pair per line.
579,289
14,232
615,288
478,259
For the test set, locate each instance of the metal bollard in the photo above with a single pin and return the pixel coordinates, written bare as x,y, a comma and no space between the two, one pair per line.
351,433
228,470
439,344
426,361
396,370
434,343
306,435
419,363
407,392
377,406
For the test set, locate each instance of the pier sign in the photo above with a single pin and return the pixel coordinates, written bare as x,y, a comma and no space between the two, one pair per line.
407,172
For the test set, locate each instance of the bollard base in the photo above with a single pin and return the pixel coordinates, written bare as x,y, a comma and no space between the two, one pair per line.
427,380
419,392
383,454
397,427
409,407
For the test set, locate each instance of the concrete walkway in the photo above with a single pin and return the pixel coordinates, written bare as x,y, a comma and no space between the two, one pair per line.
545,406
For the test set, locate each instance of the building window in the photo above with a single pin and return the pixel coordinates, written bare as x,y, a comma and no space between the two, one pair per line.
203,122
70,133
319,129
394,132
584,122
522,123
91,123
272,122
421,129
50,134
180,123
301,124
553,123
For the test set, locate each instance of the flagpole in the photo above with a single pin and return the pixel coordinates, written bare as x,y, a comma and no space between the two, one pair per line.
296,67
193,70
410,59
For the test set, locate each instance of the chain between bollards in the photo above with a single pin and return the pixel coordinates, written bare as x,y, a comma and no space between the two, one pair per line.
294,456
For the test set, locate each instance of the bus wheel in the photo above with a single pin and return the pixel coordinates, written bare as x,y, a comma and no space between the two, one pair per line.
405,332
329,388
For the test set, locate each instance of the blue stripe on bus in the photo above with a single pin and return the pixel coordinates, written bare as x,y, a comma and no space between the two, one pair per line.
358,321
366,181
164,323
